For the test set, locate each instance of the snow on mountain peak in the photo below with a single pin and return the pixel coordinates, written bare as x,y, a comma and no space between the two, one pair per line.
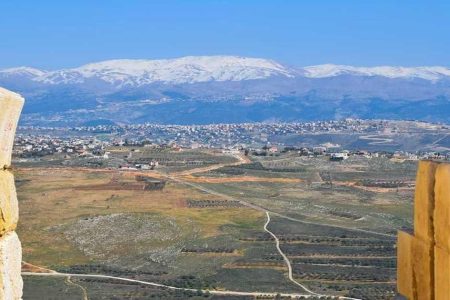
194,69
330,70
187,69
23,71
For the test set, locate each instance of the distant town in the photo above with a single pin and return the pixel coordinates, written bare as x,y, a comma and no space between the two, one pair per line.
371,138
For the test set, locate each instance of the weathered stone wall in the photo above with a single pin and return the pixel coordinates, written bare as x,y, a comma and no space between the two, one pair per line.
423,266
10,248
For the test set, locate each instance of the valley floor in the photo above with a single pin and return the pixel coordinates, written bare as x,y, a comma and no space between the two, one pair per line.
236,229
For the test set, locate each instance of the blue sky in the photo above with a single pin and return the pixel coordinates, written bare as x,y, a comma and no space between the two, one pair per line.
58,34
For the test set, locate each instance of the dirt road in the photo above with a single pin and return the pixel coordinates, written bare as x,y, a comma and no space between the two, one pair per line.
212,292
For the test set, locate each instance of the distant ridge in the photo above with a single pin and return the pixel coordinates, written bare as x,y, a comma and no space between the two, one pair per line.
189,69
329,70
194,69
227,89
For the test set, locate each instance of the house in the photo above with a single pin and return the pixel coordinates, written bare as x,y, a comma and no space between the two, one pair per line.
273,149
340,156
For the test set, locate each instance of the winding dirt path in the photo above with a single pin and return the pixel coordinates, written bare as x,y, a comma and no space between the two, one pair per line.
288,263
285,258
82,288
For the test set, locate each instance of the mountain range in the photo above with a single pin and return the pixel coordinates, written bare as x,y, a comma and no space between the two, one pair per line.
226,89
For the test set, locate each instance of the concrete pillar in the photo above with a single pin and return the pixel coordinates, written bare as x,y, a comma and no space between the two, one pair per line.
423,260
10,248
442,232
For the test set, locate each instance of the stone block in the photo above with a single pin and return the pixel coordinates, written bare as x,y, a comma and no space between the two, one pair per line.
10,107
424,201
9,210
442,207
442,273
423,269
11,283
404,264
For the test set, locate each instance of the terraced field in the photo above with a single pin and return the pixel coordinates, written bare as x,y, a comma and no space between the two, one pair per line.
336,259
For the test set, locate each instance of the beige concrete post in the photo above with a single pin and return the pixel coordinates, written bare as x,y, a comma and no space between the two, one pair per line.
10,248
442,232
423,260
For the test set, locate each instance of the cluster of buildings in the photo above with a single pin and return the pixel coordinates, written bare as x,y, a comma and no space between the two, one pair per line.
217,135
256,138
26,146
337,154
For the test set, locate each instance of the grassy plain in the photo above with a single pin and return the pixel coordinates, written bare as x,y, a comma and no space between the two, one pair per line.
72,222
142,234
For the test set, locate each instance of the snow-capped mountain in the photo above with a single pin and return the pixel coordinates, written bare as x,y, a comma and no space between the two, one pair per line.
22,71
196,69
190,69
330,70
208,89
